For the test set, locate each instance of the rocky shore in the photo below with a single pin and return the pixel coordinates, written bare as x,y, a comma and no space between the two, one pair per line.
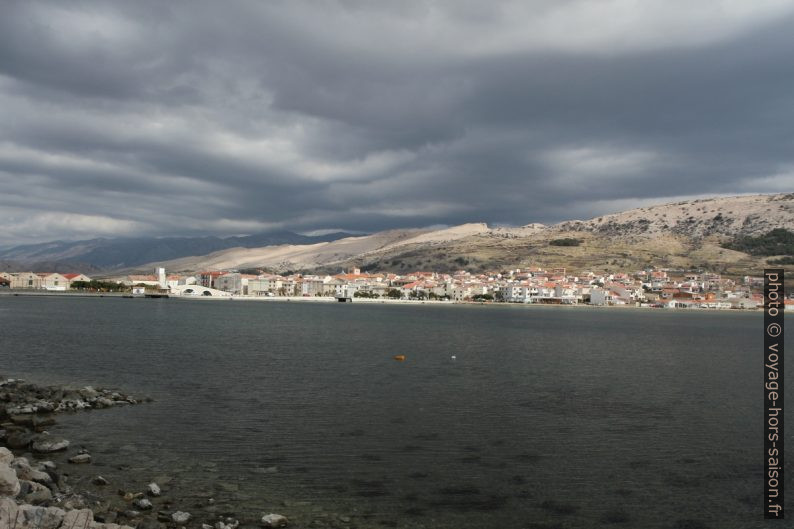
35,468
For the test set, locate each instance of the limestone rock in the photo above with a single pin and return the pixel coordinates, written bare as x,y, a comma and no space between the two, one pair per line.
9,482
79,519
143,504
80,459
47,465
8,512
19,439
36,492
40,517
49,443
28,473
148,523
274,520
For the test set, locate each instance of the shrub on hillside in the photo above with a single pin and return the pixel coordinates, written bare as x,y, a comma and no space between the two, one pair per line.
779,241
568,241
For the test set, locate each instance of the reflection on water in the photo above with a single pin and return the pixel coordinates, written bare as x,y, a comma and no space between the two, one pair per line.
547,417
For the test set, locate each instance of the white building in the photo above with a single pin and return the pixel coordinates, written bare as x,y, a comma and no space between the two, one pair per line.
54,281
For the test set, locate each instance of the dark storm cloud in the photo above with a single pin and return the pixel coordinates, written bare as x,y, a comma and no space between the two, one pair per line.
202,117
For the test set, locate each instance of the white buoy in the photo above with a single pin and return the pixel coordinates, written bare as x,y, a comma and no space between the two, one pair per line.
454,357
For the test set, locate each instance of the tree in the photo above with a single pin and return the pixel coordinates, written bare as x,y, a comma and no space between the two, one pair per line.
99,286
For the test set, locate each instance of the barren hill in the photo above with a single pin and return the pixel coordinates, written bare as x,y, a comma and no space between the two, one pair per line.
678,235
727,216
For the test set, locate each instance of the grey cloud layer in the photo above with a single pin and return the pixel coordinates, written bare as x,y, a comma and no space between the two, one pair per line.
203,117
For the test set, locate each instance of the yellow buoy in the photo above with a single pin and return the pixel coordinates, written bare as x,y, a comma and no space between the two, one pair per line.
399,358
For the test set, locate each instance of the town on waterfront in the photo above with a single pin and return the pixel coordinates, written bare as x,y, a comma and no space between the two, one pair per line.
655,288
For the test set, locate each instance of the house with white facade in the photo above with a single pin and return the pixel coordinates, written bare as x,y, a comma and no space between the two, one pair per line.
54,281
25,280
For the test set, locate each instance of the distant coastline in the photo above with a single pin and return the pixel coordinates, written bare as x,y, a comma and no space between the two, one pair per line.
369,301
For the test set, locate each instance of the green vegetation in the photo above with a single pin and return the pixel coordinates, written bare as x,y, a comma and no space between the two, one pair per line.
786,260
365,294
568,241
482,297
99,286
779,241
394,293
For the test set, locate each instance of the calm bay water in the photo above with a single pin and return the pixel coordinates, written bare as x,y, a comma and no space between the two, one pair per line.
557,417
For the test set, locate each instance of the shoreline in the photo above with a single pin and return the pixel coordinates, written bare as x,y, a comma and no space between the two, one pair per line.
46,482
370,301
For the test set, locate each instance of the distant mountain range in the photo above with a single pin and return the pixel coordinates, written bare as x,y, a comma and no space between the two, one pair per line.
683,235
686,235
103,254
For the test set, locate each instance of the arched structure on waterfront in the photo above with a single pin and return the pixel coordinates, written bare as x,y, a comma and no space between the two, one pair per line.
198,291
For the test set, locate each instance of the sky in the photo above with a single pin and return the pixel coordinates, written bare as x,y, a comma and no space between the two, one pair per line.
237,117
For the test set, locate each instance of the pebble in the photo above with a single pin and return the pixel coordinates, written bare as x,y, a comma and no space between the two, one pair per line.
230,523
180,517
143,504
153,489
99,480
148,523
106,517
274,520
48,465
80,459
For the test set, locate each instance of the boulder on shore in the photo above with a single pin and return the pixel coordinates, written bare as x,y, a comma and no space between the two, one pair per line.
35,493
26,472
9,482
5,455
28,516
31,517
19,439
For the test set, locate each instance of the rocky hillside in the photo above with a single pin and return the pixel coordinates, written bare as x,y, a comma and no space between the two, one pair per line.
725,216
688,234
